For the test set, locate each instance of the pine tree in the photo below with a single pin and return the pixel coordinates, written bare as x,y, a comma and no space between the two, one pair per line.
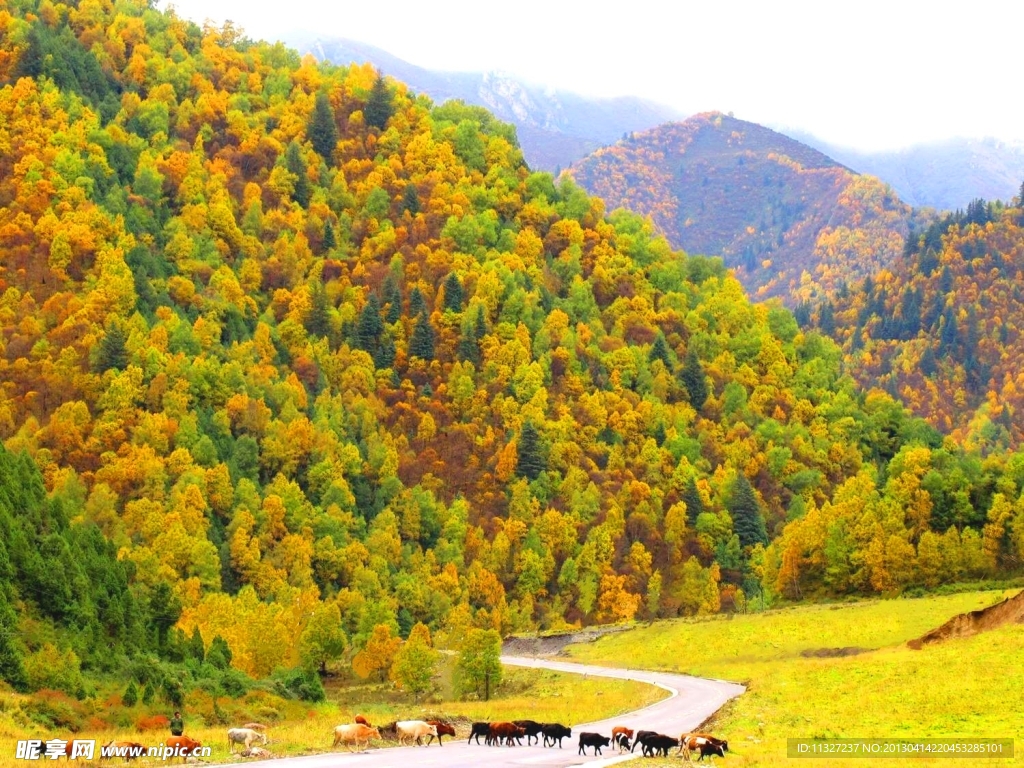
131,695
330,241
379,106
692,378
296,165
195,646
531,462
411,199
421,342
384,357
453,294
747,521
392,297
370,326
468,349
322,131
659,351
480,325
417,304
219,654
826,319
694,506
318,318
113,350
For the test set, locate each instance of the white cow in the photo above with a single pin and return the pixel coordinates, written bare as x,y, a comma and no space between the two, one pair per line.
414,729
244,736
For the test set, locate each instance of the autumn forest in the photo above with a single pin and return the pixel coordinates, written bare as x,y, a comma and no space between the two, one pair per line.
289,351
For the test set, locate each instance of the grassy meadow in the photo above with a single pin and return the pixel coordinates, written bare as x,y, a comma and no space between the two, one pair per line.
308,729
960,688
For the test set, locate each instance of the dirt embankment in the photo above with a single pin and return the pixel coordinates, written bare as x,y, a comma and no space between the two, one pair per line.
1010,611
553,645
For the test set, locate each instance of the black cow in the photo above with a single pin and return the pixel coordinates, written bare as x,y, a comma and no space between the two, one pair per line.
622,741
594,740
659,743
555,732
478,730
533,729
641,736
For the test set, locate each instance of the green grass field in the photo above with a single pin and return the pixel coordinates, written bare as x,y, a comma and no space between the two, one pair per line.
959,688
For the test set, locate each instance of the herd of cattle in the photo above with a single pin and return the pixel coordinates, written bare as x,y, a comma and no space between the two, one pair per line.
651,743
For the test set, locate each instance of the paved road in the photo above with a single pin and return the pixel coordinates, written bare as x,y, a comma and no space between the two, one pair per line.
691,701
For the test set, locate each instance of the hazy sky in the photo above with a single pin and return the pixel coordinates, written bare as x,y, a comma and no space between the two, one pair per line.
867,74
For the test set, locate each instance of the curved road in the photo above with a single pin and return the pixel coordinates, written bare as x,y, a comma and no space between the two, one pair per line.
691,701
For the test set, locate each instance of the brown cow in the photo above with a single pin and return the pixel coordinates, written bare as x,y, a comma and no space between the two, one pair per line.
443,729
362,721
185,747
618,731
507,731
354,733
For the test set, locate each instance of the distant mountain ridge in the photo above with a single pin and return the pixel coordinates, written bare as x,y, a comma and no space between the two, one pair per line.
946,175
555,128
792,221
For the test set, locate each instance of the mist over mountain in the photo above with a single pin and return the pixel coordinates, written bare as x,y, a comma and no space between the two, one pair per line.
555,128
946,175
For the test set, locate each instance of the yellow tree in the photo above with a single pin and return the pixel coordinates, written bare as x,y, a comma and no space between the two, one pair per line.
378,655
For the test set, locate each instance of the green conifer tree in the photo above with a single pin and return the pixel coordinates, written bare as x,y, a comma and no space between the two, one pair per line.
370,326
411,199
196,649
318,318
421,341
131,695
330,242
692,379
694,506
659,351
113,349
747,520
530,460
322,130
453,294
417,304
296,165
379,106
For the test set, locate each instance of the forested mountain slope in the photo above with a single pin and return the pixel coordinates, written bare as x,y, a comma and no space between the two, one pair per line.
791,221
940,326
309,351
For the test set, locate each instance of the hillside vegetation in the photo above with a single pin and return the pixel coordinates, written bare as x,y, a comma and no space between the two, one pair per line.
313,372
887,691
792,222
940,326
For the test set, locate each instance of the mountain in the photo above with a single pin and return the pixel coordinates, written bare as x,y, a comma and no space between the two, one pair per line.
940,327
946,175
294,359
555,128
791,221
